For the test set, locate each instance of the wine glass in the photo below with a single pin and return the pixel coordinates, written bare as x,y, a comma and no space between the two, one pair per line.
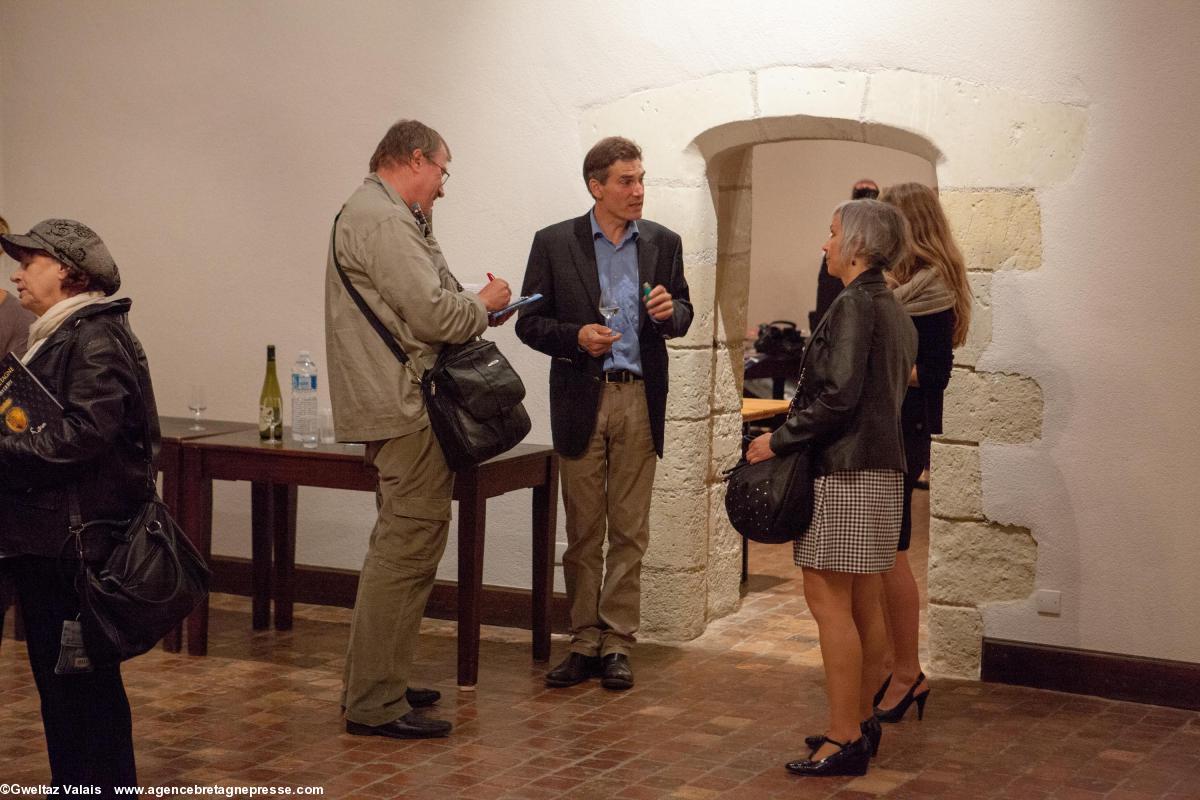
608,308
197,404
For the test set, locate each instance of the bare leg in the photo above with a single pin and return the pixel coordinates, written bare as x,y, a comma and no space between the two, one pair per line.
868,619
903,604
829,597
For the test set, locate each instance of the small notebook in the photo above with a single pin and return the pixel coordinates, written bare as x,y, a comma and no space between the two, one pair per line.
520,301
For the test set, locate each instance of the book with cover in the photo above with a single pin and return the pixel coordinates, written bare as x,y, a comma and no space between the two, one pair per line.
25,405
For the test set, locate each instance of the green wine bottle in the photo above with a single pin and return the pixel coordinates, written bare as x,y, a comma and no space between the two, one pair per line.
270,403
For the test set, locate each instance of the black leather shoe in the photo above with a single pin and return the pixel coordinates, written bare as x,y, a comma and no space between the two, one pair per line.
411,726
575,668
872,731
618,674
852,759
420,698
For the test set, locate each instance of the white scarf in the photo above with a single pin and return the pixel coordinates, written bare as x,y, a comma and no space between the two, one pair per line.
55,316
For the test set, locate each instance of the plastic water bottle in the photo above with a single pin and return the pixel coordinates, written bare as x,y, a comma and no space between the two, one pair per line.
305,419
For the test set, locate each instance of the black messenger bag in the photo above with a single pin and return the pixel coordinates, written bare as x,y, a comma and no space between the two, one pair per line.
472,394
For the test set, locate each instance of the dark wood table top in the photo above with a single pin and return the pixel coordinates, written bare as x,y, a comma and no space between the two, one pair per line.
180,428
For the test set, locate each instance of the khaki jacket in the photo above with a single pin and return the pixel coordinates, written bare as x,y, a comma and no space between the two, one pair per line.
403,277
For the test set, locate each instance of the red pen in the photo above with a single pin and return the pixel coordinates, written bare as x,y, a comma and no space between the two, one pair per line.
491,277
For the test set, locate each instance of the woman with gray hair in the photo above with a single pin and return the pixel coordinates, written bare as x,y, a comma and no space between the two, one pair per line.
847,412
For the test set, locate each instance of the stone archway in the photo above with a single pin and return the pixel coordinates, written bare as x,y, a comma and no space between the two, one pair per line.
993,151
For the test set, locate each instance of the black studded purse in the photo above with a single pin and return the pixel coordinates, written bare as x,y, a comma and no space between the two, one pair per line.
771,501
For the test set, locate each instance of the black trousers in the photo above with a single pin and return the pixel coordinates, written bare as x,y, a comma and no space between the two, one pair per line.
89,730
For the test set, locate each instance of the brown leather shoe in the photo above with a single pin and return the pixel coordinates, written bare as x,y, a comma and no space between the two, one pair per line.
576,668
618,675
411,726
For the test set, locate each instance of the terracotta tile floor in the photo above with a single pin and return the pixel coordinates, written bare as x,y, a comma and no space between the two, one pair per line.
712,718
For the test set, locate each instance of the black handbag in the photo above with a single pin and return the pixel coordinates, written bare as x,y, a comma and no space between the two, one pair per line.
779,338
152,578
771,501
148,578
472,394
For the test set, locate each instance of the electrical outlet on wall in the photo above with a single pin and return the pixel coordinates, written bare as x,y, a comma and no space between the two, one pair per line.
1049,601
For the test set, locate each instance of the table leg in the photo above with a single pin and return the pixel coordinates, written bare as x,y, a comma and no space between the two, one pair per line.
472,516
261,535
545,510
196,520
169,458
283,527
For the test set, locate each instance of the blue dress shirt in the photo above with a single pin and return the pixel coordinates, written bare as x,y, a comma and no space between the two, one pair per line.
618,268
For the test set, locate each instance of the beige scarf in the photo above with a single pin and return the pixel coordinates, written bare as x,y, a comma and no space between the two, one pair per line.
926,293
55,316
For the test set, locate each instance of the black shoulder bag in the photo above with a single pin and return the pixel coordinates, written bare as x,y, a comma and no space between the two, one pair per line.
150,577
772,501
472,394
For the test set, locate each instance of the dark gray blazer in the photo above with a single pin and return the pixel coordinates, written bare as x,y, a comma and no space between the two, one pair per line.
562,266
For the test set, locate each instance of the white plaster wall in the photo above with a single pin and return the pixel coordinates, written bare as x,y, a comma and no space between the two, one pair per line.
796,186
211,143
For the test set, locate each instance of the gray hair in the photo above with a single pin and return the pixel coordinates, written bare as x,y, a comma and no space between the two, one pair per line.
874,231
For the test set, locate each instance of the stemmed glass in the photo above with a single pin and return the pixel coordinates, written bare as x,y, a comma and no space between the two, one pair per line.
197,404
608,308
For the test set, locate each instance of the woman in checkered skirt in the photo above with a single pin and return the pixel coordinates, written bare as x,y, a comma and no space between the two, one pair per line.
847,411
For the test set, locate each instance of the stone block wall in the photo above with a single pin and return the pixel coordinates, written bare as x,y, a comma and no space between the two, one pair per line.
974,561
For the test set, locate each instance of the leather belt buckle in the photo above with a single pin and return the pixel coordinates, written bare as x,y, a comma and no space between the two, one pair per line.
620,376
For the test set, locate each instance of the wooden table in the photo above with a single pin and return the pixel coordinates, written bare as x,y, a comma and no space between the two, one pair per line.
754,408
275,472
175,431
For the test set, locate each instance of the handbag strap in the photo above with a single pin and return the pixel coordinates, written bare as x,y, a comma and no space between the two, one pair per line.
376,323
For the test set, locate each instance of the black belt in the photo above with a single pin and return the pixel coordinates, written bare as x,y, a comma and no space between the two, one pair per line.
619,376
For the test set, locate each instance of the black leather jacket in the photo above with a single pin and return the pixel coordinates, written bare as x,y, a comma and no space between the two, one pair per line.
87,366
853,377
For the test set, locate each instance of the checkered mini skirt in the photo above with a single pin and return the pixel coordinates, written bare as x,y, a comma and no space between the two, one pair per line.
856,522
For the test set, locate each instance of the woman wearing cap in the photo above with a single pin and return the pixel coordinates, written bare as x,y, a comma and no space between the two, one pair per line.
83,352
847,411
932,287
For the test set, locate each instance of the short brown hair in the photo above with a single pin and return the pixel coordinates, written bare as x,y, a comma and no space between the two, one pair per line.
398,144
604,154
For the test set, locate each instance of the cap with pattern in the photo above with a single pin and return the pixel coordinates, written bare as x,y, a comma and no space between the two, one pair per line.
72,243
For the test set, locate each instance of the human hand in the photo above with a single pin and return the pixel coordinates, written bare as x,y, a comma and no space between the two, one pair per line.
760,449
659,304
495,294
597,339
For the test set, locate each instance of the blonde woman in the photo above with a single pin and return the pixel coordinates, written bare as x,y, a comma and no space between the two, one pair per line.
931,285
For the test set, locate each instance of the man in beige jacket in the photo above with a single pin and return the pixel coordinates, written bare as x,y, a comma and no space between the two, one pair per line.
384,246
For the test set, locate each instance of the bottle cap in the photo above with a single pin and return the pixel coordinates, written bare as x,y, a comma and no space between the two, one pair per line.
271,351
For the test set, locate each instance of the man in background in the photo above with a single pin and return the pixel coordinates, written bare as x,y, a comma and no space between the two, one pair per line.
614,292
383,244
828,287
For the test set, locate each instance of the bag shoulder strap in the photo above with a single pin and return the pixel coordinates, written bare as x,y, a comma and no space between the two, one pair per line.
376,323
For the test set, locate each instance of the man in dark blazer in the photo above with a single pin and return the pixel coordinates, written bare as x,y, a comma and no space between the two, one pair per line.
614,291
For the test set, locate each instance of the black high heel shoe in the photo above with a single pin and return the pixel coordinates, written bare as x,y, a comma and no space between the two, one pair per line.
896,713
871,730
882,689
852,759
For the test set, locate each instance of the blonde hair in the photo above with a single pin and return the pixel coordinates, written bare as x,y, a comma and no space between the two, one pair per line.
932,246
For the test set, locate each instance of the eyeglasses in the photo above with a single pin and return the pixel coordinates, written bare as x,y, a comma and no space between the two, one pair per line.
445,172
